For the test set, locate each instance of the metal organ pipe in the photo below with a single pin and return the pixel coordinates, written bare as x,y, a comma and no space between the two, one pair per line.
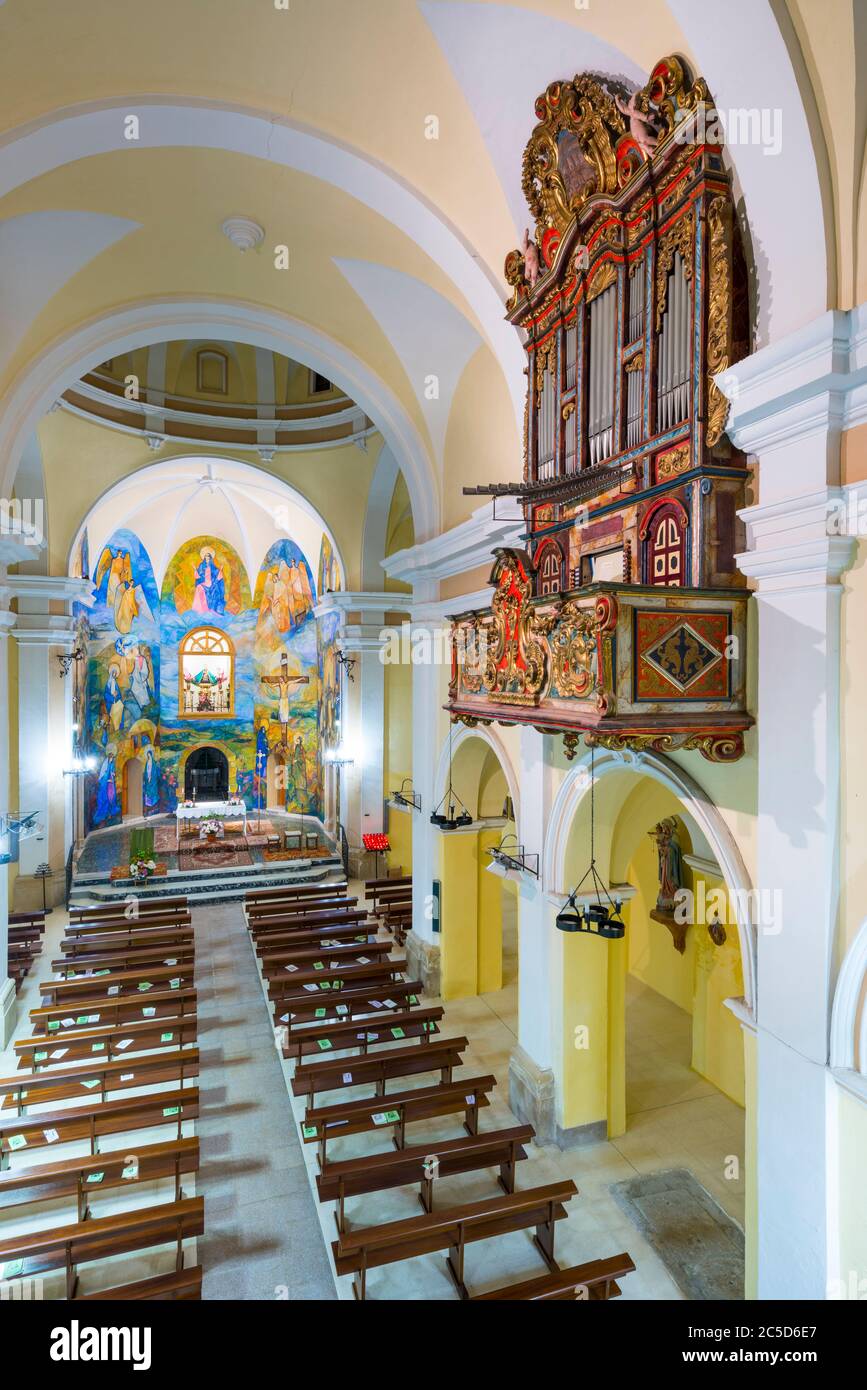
672,388
603,341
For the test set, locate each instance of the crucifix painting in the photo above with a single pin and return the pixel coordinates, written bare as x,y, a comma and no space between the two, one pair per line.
283,683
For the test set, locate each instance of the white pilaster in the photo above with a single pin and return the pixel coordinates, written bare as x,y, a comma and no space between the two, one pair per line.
790,403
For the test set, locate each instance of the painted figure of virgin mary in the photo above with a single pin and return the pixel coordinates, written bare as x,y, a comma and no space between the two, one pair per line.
210,594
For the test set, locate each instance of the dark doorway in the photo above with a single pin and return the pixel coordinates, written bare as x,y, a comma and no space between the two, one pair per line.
206,775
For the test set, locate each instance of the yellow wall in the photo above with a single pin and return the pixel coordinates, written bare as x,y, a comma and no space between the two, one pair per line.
397,760
751,1184
852,1164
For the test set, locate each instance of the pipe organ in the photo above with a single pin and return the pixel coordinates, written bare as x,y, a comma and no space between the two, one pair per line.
622,618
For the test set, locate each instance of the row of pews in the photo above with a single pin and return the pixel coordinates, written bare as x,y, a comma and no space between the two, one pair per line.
335,988
26,930
113,1058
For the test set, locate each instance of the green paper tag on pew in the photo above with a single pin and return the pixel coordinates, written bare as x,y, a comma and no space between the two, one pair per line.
171,1110
97,1047
166,1037
52,1026
90,1084
145,985
39,1056
309,1131
325,984
320,1013
175,984
17,1141
413,998
323,1044
95,1177
13,1269
149,1013
82,1020
398,1033
318,965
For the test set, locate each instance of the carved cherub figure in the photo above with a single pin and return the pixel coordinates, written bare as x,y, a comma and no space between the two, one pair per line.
530,252
640,127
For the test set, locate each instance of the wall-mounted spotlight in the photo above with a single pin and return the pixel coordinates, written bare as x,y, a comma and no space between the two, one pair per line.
510,860
405,796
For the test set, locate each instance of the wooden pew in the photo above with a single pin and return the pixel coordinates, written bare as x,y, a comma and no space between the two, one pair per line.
80,967
94,1120
36,919
402,1108
171,1003
109,1042
339,1037
360,1001
297,890
79,1178
376,1069
180,1284
81,931
100,1238
105,942
292,985
29,935
92,1079
377,892
268,946
92,912
300,907
397,920
295,959
453,1229
592,1282
352,1177
263,927
75,993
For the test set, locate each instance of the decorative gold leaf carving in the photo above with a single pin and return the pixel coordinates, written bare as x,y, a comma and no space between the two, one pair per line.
719,314
675,461
680,237
604,276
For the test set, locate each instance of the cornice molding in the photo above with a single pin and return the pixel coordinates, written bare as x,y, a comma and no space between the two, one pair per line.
790,544
49,586
810,383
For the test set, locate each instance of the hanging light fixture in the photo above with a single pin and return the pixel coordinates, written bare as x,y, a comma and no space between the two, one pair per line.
450,818
599,918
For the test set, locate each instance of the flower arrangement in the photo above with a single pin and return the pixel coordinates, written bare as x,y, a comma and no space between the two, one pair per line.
211,829
140,869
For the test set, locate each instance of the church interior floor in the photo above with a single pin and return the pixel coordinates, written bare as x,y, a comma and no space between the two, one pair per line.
266,1234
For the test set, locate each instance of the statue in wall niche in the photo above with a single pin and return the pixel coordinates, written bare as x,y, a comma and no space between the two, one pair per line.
670,868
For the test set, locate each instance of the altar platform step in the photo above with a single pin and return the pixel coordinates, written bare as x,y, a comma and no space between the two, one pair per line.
206,885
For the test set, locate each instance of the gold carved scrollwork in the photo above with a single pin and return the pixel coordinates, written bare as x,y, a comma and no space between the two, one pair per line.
570,154
545,358
719,314
675,461
636,363
680,237
605,275
517,658
573,652
670,92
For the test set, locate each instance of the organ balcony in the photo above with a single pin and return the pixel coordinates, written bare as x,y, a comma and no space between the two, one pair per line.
624,617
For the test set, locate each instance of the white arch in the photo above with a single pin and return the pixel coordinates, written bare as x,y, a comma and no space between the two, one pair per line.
494,742
576,785
131,482
142,325
185,122
848,1040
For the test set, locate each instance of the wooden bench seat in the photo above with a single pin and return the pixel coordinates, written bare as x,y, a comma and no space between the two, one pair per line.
297,890
88,912
73,967
360,1001
51,1019
26,936
28,919
377,1069
404,1107
352,1177
93,1120
135,938
102,1237
452,1229
179,1284
339,1037
260,927
74,993
110,1042
268,946
294,960
293,983
81,1178
300,907
20,1093
594,1281
118,925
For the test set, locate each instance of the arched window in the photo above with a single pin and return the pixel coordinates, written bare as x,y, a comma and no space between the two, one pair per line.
550,569
664,535
206,675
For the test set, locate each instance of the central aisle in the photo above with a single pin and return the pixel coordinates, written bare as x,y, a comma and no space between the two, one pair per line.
262,1236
